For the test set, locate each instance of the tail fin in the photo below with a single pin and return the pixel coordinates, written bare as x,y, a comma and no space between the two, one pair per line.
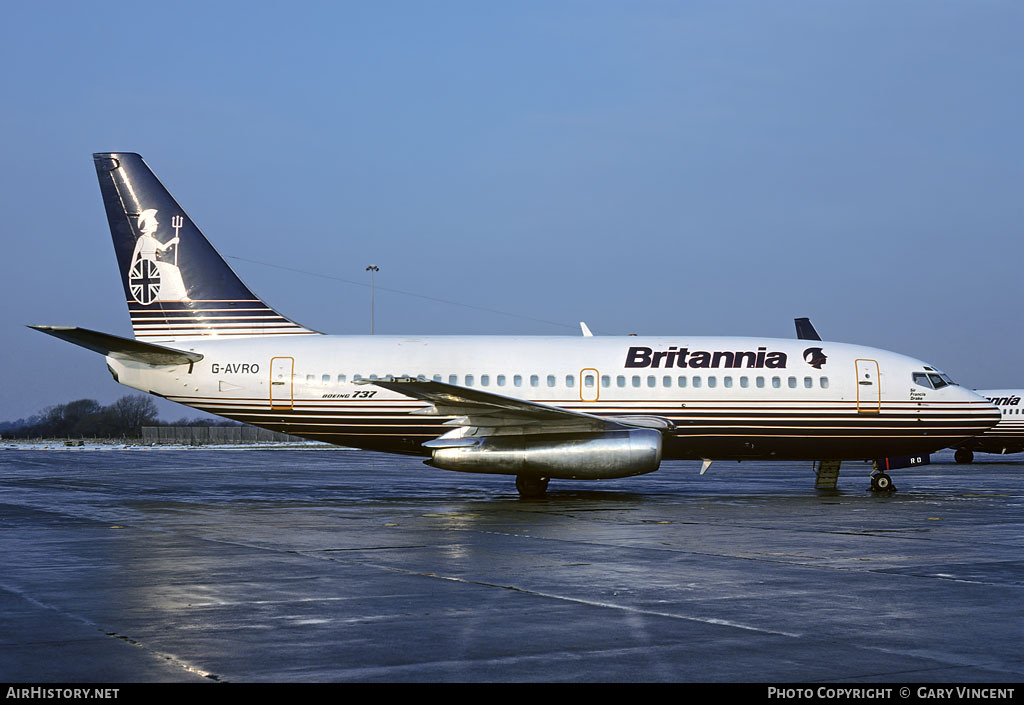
177,286
805,330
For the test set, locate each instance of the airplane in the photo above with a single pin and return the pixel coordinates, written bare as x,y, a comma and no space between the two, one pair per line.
1006,437
535,407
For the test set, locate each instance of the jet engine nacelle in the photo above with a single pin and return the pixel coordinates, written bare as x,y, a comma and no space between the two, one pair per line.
568,456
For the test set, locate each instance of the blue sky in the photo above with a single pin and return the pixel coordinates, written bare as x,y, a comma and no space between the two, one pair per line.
651,167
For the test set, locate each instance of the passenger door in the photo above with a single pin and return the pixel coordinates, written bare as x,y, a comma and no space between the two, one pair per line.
282,371
869,387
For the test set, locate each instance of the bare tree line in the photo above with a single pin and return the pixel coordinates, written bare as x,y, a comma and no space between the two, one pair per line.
87,418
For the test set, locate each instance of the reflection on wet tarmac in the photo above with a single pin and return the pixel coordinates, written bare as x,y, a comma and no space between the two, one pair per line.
130,564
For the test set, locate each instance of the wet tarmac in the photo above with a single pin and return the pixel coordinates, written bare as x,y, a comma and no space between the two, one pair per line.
327,565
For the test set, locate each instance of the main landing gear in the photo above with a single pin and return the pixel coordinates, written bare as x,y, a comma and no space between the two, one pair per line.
963,455
531,486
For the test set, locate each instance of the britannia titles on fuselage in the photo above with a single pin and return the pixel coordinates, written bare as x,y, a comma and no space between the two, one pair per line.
641,356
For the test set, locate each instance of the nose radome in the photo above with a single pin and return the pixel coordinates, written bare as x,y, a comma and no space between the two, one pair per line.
986,412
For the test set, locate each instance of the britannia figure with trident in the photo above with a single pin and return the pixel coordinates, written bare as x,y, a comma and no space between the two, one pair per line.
151,279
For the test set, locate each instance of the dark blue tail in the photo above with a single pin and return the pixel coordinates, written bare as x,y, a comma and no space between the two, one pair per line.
177,285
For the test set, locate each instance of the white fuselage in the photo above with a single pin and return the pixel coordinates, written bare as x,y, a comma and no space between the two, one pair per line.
729,397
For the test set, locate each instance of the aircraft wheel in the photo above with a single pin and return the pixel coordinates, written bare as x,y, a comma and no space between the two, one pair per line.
963,455
531,486
882,483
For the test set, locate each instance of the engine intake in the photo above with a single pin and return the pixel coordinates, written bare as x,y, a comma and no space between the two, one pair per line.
568,456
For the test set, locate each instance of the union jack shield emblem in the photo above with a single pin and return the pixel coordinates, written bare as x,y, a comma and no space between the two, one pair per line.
144,281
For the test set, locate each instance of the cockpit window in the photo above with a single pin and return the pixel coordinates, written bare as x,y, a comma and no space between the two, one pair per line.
933,379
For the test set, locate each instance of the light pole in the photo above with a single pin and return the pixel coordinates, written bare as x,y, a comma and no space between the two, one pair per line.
371,269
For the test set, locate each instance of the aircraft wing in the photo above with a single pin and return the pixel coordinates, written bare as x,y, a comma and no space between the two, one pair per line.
494,413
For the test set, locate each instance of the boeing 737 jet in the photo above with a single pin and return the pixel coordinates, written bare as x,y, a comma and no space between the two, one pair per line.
584,408
1007,436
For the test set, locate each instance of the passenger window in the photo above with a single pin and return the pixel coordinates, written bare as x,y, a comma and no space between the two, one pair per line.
309,379
651,381
326,379
485,380
501,380
776,382
666,381
808,383
744,382
588,381
570,381
791,382
681,381
760,382
551,380
453,379
712,381
636,380
341,379
823,382
517,380
620,381
727,381
469,380
606,381
696,381
534,381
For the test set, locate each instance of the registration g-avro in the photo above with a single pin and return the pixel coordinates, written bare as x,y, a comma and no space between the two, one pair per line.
579,408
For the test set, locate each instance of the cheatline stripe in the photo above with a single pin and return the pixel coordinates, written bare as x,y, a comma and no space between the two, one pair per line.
153,322
174,320
194,309
406,406
859,419
172,335
206,325
630,404
212,312
688,430
185,305
851,421
391,432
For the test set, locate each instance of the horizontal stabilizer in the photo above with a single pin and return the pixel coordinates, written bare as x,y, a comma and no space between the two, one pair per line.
121,348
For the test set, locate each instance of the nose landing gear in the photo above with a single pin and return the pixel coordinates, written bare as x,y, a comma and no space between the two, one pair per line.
880,482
